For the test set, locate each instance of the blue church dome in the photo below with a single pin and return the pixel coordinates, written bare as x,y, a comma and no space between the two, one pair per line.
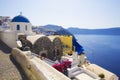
20,18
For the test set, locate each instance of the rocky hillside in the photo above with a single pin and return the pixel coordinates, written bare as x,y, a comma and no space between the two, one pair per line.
55,29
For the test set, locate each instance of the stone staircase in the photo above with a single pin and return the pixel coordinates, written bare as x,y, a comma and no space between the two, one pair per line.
9,69
74,71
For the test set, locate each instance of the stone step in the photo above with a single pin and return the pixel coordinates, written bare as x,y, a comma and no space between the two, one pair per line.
76,73
76,68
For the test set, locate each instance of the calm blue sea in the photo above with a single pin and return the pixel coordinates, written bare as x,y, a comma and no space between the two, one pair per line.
103,50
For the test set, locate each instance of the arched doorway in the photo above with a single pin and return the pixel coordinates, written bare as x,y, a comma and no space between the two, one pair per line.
43,55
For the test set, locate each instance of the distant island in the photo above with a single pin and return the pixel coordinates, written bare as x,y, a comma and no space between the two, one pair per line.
108,31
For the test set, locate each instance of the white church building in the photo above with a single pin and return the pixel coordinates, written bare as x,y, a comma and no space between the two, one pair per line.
19,25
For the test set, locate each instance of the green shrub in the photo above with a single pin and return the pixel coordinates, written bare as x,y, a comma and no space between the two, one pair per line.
101,75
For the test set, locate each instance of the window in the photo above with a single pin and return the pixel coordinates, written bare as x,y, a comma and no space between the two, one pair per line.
26,27
18,27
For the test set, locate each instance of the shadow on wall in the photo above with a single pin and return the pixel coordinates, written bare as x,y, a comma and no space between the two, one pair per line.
5,48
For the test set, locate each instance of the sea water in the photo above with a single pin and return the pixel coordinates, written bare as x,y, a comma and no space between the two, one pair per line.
103,50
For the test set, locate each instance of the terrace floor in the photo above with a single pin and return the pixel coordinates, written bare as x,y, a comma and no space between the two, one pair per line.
9,68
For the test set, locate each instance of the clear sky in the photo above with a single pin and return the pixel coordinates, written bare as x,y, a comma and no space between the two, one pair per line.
67,13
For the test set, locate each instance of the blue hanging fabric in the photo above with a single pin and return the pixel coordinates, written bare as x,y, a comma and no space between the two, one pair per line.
77,46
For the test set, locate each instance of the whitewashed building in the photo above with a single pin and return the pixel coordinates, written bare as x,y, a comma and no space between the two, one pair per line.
19,25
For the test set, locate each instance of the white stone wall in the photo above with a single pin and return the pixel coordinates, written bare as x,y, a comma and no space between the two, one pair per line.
22,27
35,68
98,70
9,38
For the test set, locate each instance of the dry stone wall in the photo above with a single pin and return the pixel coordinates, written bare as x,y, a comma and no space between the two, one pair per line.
51,47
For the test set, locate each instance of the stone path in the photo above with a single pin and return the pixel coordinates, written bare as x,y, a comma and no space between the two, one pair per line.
9,69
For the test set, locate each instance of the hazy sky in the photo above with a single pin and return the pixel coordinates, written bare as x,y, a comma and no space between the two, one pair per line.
67,13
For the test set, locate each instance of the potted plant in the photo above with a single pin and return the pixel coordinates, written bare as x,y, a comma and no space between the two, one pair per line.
102,76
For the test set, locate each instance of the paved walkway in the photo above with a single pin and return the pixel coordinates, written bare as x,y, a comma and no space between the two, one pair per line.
9,69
